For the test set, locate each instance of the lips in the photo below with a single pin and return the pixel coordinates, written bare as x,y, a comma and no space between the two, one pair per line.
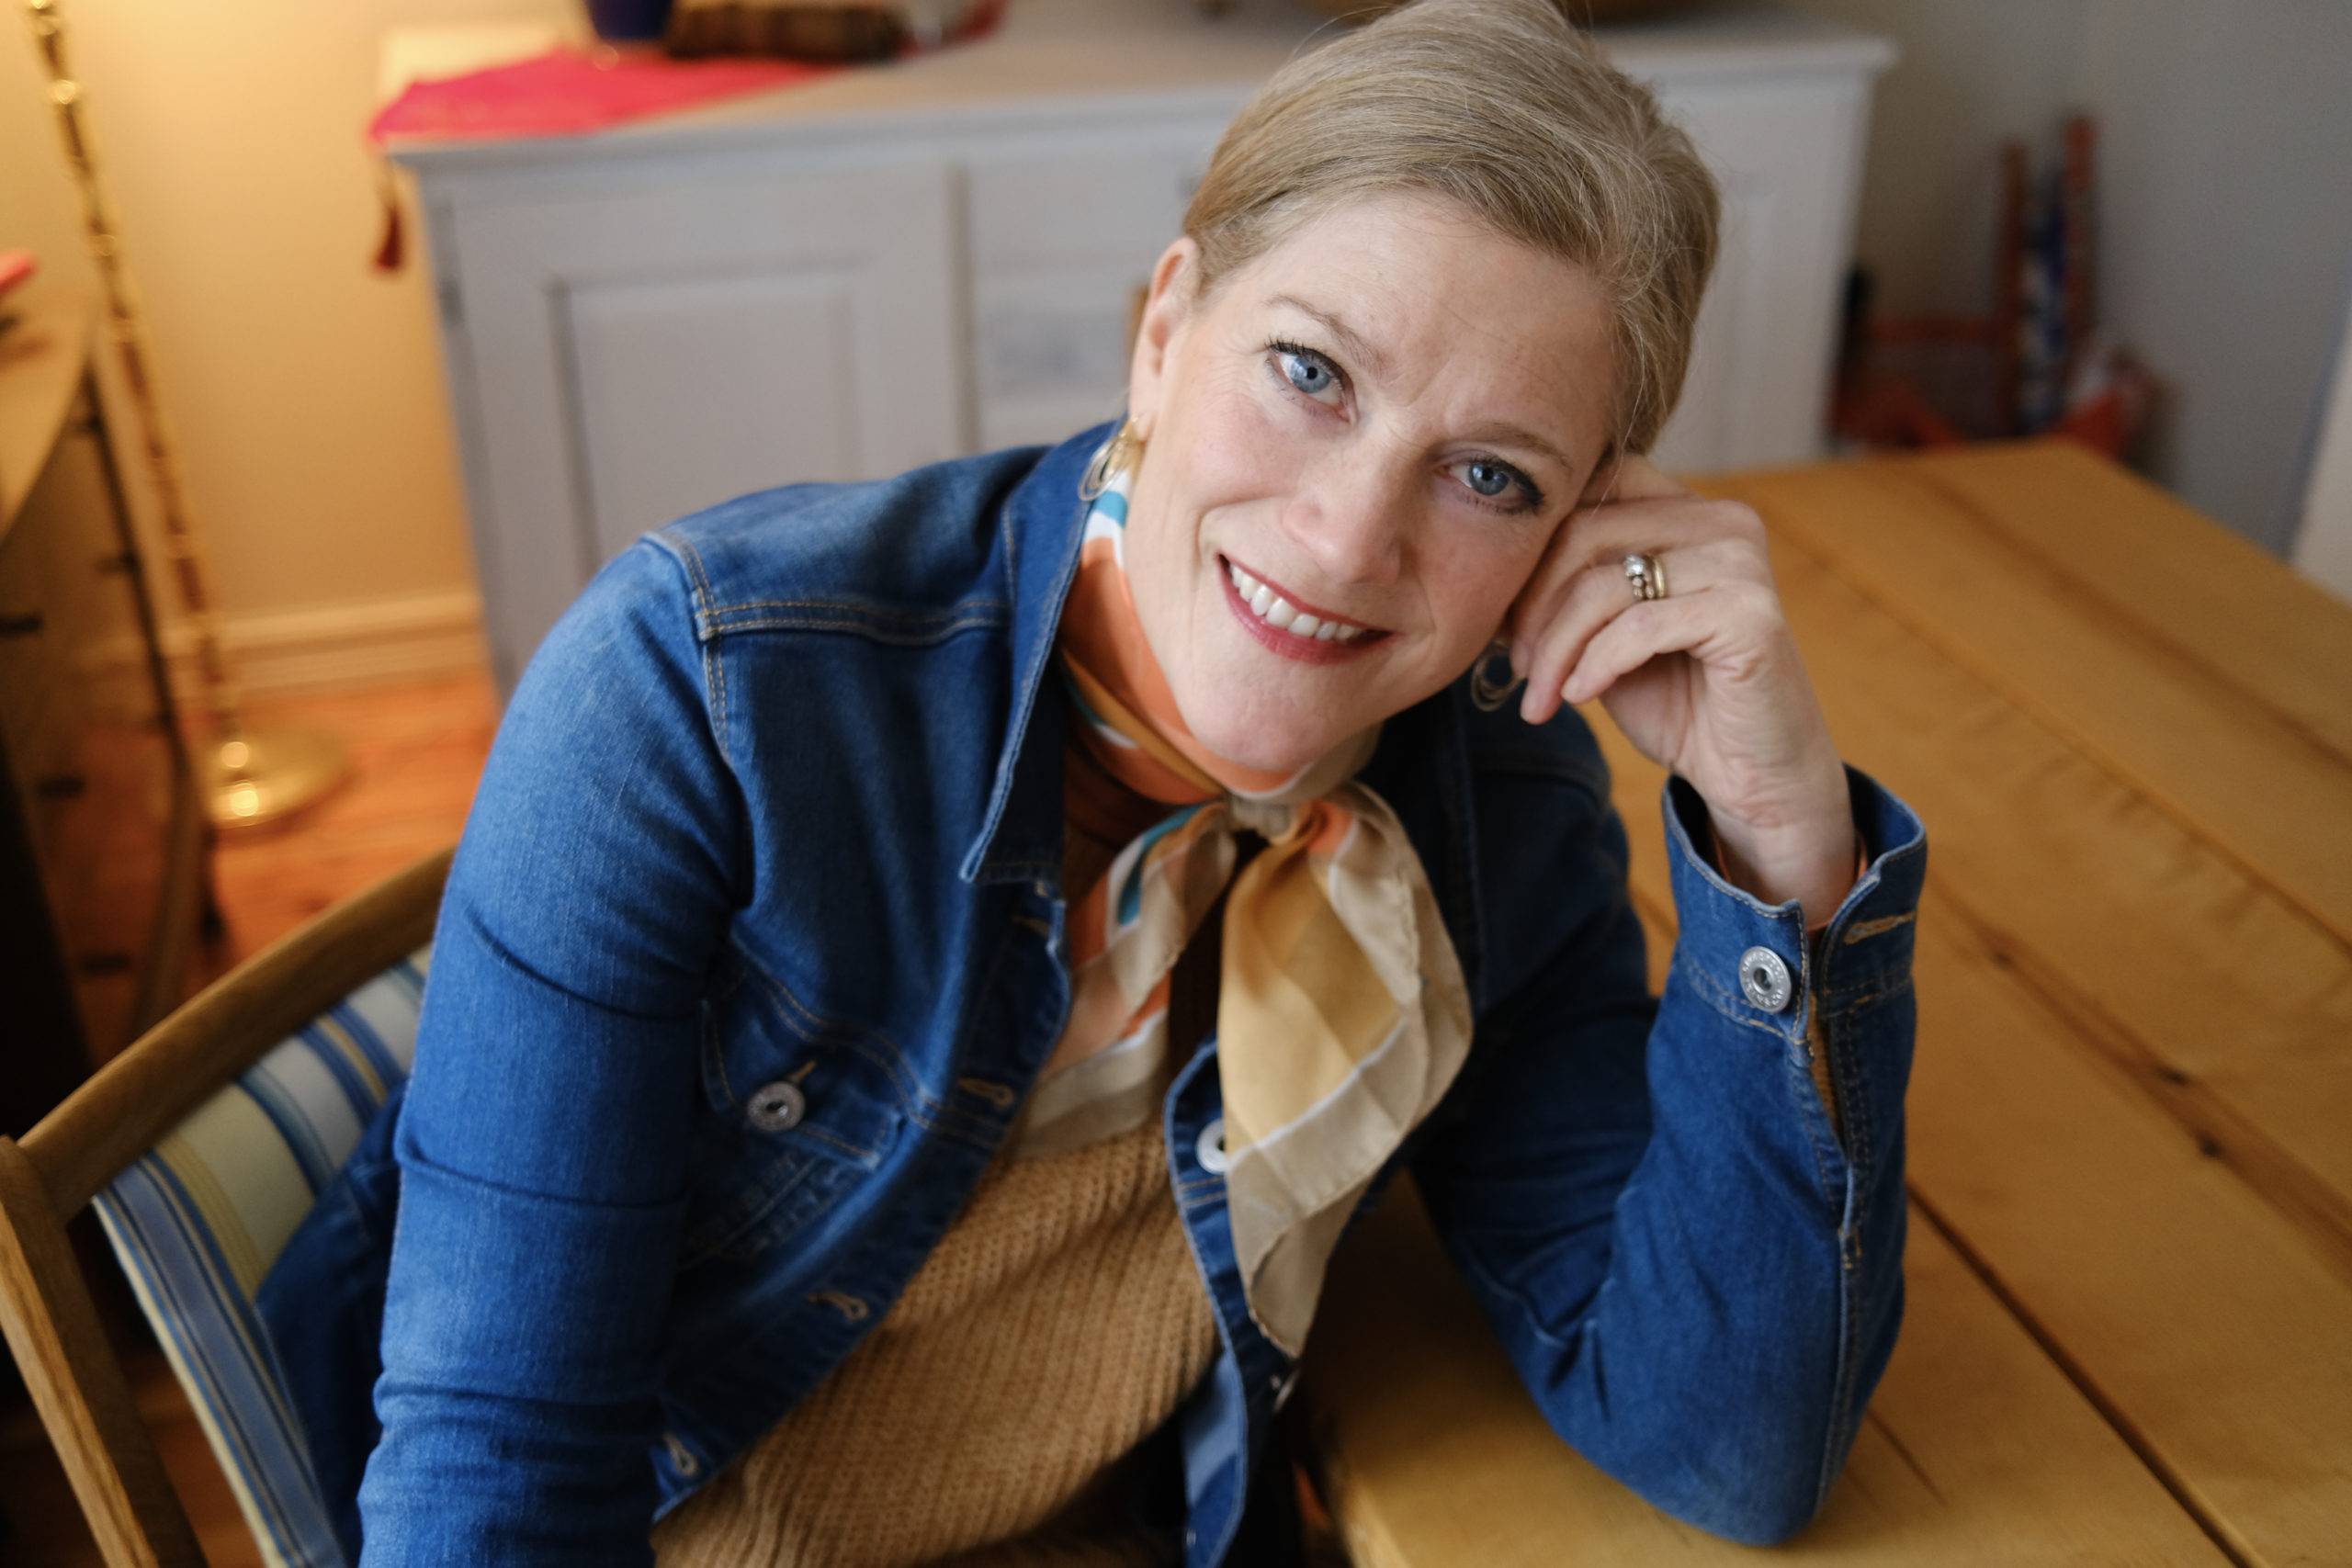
1279,607
1291,627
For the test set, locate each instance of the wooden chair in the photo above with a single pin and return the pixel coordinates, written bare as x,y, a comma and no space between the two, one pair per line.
54,1171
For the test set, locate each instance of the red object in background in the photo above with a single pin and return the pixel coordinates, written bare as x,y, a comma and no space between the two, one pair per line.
14,268
1919,381
567,91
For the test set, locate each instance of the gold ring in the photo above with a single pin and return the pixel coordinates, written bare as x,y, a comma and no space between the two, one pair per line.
1648,574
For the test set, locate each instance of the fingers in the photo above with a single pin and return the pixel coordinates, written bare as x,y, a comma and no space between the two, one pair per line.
1601,536
1599,597
1581,589
1726,617
1630,477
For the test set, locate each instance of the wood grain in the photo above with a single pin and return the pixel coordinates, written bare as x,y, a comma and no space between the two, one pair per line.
2143,690
2133,1188
2223,999
1976,1450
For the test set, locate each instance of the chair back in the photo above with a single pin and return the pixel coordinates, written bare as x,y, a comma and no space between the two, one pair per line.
203,1145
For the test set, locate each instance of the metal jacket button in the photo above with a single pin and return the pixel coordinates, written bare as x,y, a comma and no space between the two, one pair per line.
1764,979
1210,1148
777,1106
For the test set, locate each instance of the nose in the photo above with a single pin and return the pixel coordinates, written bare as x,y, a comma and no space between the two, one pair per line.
1350,518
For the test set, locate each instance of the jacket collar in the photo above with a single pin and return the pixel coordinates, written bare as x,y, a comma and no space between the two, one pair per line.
1039,528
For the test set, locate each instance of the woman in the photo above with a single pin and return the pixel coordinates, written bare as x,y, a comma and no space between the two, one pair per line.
862,1114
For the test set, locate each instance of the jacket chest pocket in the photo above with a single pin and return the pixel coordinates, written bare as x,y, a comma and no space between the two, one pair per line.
791,1119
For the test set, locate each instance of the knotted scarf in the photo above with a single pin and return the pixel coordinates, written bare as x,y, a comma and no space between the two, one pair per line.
1342,1014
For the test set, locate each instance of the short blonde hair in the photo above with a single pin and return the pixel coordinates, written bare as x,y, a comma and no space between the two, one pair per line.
1507,108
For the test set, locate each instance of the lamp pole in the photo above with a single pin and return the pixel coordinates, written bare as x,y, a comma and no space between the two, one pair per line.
252,774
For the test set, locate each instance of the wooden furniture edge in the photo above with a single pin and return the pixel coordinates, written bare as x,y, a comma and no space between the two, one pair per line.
76,1384
175,1066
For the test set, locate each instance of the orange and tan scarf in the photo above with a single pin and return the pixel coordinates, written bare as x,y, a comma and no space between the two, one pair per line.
1341,1011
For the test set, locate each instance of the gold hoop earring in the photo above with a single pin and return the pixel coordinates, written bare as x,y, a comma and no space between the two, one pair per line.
1123,451
1486,694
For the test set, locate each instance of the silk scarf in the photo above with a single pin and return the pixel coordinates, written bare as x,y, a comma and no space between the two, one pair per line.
1341,1012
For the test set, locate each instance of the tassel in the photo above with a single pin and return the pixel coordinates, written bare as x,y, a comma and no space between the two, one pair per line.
391,249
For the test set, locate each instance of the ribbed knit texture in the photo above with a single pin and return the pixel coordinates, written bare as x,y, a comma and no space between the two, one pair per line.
1058,1322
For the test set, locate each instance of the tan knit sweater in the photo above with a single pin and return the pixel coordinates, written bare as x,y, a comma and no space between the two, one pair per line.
1058,1322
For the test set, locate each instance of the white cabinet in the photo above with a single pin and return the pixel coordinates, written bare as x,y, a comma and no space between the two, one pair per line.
844,281
637,354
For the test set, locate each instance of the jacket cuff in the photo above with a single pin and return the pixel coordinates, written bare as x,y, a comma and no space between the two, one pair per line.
1866,943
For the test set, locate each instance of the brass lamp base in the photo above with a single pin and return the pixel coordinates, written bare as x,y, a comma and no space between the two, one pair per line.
268,773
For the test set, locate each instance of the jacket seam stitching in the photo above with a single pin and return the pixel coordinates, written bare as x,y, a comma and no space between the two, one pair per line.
1720,1000
878,1048
853,606
938,629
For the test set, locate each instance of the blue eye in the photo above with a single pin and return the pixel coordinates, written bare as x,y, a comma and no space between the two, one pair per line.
1490,479
1307,372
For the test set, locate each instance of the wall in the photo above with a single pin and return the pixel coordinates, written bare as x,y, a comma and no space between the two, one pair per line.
2323,548
304,387
2229,128
2226,245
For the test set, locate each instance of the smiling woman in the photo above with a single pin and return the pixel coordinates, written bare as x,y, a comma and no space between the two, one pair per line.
1352,419
935,965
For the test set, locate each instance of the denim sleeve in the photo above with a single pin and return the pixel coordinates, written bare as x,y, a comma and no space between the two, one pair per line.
1696,1272
542,1143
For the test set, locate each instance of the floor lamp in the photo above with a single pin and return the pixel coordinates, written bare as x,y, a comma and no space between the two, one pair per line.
253,774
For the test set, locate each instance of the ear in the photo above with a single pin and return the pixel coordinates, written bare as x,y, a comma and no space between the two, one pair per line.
1166,307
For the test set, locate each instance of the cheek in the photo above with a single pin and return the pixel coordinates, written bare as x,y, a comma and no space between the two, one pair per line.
1236,444
1472,588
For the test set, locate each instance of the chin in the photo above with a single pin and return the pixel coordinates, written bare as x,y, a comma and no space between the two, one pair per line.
1271,738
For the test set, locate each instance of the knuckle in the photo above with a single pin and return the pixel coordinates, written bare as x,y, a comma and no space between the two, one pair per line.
1758,602
1737,520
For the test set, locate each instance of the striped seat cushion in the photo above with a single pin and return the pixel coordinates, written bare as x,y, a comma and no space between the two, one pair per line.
197,1221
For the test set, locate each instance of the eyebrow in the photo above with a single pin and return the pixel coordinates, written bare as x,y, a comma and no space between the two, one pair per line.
1361,348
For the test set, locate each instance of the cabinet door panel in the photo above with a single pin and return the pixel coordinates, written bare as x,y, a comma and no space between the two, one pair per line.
638,353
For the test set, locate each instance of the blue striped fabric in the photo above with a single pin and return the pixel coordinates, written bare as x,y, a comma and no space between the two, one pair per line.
199,1219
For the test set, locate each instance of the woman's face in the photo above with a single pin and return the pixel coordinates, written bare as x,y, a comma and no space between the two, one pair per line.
1380,422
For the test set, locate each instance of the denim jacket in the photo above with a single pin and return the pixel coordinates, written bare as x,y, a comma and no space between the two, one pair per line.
755,941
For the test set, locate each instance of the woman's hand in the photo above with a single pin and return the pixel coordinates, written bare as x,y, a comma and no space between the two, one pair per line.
1705,681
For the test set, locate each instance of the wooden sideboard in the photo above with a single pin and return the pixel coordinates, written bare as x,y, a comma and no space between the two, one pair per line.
104,846
889,266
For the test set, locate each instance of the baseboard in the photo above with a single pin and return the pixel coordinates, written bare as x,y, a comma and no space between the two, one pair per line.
332,647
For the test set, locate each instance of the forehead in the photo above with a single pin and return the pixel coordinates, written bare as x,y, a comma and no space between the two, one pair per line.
1436,295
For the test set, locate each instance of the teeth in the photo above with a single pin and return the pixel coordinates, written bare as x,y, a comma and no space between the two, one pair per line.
1271,608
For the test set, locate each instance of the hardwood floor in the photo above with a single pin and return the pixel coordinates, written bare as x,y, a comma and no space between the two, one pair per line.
415,752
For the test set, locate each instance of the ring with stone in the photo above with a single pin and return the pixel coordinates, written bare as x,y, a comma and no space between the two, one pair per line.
1648,574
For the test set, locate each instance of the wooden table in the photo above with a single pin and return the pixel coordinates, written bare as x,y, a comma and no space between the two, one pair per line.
2128,1334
